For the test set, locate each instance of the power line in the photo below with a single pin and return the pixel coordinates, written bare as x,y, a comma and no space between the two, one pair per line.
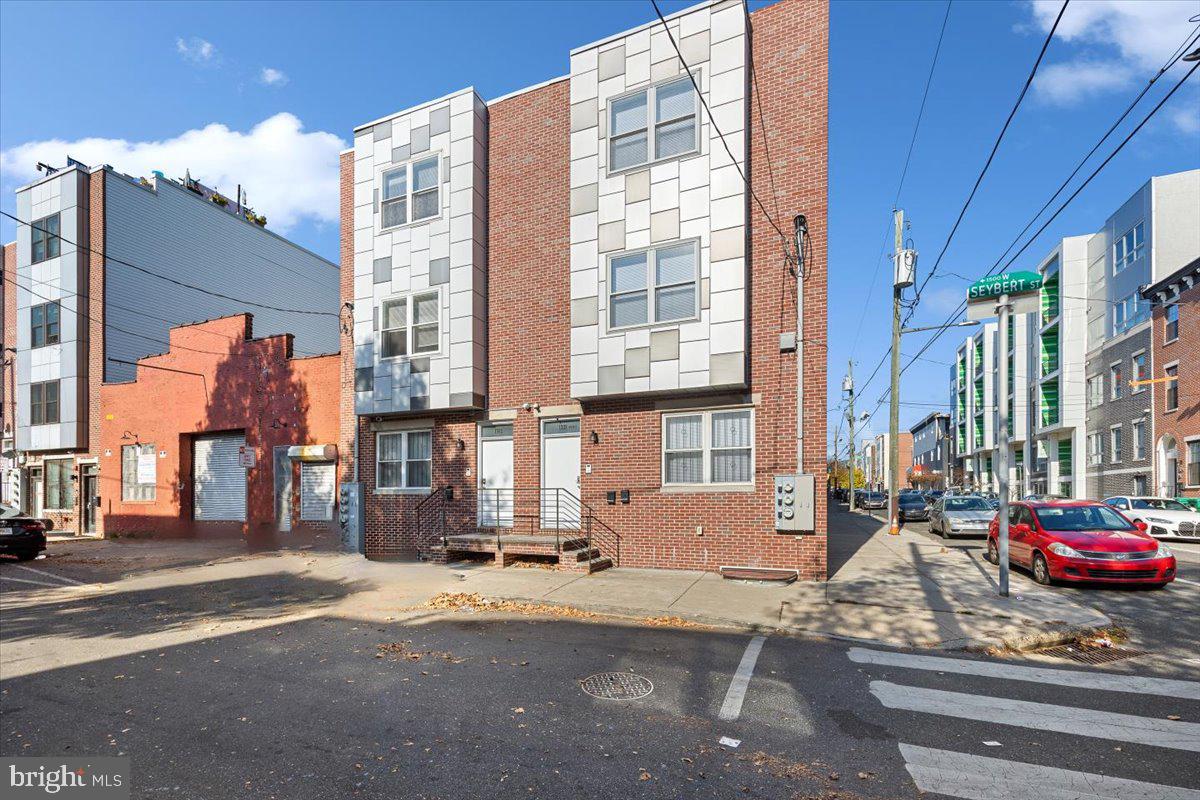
174,281
995,147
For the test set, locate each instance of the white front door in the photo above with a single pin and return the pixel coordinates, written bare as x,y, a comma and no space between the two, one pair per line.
495,476
560,473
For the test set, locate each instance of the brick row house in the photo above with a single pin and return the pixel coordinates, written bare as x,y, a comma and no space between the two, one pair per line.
84,316
575,328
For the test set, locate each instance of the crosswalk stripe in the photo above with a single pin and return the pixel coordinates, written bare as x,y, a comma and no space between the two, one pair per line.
982,778
731,709
1184,690
1041,716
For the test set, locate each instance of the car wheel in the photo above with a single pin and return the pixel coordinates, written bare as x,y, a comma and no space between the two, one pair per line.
993,552
1041,570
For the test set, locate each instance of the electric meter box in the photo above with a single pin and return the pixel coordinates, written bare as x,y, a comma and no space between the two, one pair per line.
906,268
350,516
794,503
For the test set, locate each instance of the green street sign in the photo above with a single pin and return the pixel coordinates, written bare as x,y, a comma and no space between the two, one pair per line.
1010,283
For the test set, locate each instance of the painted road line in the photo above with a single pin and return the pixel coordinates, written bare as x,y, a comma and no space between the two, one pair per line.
732,707
1042,716
1186,690
23,580
1185,580
982,778
63,578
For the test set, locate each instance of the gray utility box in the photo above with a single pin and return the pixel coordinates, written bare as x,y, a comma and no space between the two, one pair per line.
350,515
794,502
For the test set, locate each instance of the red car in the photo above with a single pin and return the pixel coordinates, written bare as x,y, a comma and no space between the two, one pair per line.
1081,540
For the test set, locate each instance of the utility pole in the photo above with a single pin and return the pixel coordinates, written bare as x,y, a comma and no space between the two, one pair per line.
894,423
1002,308
848,386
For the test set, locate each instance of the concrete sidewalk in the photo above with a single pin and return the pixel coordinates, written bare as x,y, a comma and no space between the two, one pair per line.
900,590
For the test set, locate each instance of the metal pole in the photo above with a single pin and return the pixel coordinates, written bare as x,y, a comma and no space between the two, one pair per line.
850,367
894,422
800,229
1001,393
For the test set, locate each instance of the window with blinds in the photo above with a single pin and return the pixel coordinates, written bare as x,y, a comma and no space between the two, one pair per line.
139,472
653,124
653,286
708,448
404,460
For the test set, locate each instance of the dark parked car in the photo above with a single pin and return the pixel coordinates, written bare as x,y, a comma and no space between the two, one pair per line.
21,536
872,500
913,507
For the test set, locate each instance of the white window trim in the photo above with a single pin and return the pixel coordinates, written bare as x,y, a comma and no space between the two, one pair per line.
651,123
651,286
1167,324
417,490
46,482
1134,375
1187,462
442,190
408,298
1095,455
706,452
1114,385
1133,443
1114,455
1087,386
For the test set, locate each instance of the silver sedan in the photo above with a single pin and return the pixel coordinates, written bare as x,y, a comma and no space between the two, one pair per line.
961,516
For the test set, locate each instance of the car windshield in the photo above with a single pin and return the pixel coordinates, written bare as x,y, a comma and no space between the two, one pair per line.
1161,503
967,504
912,500
1082,518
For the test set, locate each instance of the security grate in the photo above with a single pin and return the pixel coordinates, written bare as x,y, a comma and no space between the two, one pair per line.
1091,655
617,686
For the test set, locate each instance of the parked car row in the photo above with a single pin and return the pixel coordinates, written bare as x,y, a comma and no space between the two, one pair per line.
20,535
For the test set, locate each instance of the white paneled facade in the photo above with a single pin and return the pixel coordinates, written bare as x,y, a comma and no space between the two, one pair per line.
659,209
420,258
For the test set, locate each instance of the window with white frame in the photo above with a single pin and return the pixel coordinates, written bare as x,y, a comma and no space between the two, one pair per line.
1139,439
1095,448
1171,331
410,325
410,192
1114,437
404,460
1095,391
1116,379
1193,462
654,124
1128,248
708,447
1171,395
1129,312
653,286
1138,373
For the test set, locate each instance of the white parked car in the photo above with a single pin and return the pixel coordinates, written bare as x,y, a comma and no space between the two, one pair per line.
1165,518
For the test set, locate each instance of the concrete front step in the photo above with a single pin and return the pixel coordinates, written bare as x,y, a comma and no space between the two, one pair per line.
589,566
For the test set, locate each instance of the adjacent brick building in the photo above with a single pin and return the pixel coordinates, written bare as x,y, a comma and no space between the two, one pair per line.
103,266
570,311
1175,341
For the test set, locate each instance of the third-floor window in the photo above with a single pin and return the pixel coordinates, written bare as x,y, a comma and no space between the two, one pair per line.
43,325
44,241
410,192
411,325
1128,248
657,123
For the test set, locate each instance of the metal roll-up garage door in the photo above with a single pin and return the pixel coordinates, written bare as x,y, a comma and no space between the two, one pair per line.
219,478
316,491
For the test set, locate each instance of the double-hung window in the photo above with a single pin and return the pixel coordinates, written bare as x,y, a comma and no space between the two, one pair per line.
653,286
60,489
139,472
1116,378
404,460
1172,393
1128,248
1193,462
1114,435
1095,448
1095,391
1172,327
657,123
411,192
1139,440
1139,372
411,325
44,241
709,447
43,324
43,403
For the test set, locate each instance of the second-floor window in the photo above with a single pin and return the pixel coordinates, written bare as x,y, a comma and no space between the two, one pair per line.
411,325
1114,435
1139,372
1116,378
651,125
1095,391
1139,440
1128,248
44,241
652,286
410,192
1172,393
43,325
1172,328
43,403
1095,454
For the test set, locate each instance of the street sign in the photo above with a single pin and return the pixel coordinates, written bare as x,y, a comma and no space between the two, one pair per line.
978,310
1010,283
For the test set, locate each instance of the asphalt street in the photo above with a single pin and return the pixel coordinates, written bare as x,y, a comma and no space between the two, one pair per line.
464,706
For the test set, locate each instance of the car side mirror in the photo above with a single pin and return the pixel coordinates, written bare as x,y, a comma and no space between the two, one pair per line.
1141,526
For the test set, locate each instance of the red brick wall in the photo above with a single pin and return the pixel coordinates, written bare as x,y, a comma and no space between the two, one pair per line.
1185,422
207,383
346,372
906,457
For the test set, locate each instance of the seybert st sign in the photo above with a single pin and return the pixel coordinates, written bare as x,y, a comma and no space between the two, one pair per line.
1021,288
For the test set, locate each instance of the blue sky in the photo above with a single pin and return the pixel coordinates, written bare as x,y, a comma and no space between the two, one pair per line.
266,95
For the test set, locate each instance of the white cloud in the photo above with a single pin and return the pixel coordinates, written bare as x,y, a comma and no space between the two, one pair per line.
269,76
196,50
1186,119
288,174
1117,44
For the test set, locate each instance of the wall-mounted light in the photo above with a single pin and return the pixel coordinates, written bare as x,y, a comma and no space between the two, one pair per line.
595,438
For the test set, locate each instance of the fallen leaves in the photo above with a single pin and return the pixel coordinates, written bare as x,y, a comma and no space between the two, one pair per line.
402,651
472,602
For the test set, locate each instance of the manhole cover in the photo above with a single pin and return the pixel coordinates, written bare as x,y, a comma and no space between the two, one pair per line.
1091,655
617,686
